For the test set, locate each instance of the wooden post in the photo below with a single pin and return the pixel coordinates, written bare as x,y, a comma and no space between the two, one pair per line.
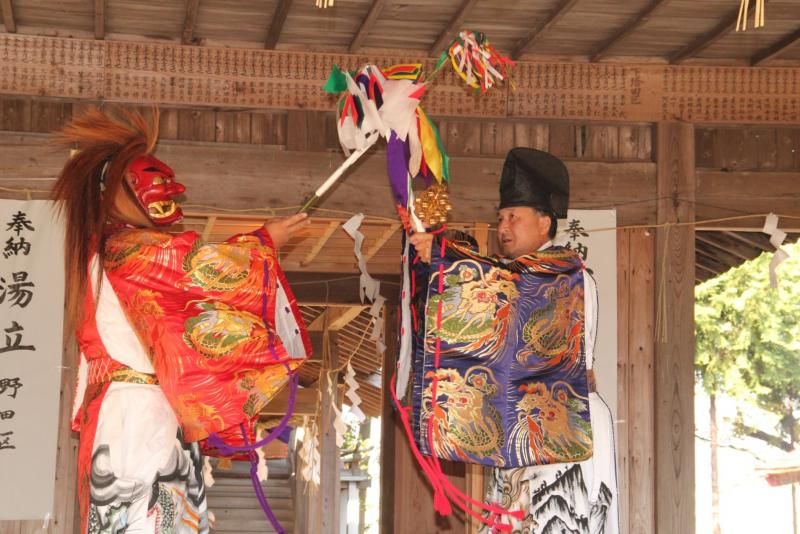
674,382
329,453
390,428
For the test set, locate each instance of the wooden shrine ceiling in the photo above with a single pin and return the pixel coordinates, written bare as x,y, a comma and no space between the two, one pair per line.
663,31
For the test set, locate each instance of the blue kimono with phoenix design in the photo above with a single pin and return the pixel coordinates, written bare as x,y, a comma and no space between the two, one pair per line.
499,365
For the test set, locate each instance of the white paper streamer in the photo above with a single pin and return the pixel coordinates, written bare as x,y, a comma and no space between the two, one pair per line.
338,422
262,471
776,238
355,400
404,356
208,476
309,453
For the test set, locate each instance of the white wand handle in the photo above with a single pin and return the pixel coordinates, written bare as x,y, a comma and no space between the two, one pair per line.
355,156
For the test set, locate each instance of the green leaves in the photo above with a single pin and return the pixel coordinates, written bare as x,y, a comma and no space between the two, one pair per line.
748,337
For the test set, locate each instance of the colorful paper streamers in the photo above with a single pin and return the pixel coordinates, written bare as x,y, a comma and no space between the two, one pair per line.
476,61
386,102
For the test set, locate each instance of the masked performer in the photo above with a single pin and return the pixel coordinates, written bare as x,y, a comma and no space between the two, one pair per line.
522,354
180,340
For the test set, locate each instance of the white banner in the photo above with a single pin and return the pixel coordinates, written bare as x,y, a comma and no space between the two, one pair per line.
31,320
599,253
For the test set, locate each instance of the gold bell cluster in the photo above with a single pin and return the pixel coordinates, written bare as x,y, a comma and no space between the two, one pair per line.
433,205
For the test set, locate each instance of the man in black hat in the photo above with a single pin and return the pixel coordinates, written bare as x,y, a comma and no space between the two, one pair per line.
534,194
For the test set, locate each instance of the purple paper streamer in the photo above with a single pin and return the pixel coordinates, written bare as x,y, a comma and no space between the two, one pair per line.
397,155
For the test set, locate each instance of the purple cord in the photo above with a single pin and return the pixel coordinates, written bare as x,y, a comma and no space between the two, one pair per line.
262,500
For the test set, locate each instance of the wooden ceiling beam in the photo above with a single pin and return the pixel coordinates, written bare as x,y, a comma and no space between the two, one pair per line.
560,10
771,52
8,16
706,269
276,26
638,20
452,27
320,243
337,318
366,25
381,241
722,29
189,22
100,19
750,241
720,246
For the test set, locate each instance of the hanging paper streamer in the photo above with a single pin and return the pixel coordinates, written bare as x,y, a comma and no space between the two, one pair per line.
338,422
776,238
309,454
261,471
744,12
476,61
355,400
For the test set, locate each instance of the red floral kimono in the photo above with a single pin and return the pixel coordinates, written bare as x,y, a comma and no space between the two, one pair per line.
182,339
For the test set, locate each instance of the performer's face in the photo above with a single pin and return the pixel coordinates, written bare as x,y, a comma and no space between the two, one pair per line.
521,230
153,184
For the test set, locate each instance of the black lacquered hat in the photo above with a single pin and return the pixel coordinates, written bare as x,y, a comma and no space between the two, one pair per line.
536,179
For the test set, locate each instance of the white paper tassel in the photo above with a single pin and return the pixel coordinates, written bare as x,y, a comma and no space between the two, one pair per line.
355,400
262,471
309,454
208,477
776,238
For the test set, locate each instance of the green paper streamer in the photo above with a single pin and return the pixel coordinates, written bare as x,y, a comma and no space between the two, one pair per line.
337,82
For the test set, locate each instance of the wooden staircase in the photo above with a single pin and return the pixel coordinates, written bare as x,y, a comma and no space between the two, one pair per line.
235,506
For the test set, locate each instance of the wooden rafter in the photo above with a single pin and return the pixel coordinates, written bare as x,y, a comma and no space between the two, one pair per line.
100,19
721,246
315,250
725,27
638,20
366,26
187,36
276,26
384,237
560,10
337,317
8,16
452,27
720,253
771,52
750,241
706,269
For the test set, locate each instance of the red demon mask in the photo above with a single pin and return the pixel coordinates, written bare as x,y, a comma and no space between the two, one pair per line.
153,183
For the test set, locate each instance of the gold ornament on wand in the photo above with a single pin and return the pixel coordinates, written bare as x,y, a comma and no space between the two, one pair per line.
433,205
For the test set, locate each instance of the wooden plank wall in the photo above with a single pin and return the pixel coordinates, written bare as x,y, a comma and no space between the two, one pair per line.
315,131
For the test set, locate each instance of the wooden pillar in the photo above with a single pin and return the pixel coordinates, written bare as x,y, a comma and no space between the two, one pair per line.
329,451
390,427
636,376
674,379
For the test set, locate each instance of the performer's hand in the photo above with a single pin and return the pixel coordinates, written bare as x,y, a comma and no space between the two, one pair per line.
281,230
422,243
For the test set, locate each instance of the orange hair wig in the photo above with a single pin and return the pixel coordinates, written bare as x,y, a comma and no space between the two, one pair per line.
106,142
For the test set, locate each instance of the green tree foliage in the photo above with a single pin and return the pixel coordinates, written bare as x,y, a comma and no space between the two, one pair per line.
748,342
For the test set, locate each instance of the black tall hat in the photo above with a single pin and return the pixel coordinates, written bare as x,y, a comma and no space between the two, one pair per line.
536,179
